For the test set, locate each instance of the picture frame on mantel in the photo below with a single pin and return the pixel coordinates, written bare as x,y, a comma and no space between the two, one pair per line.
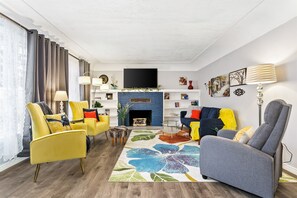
237,78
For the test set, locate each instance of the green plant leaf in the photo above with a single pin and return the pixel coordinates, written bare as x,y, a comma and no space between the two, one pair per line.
143,137
130,176
160,177
121,166
142,131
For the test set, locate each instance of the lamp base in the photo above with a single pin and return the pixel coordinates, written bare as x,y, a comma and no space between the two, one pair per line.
260,101
61,107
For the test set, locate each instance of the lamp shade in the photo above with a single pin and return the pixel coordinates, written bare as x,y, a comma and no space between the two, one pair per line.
61,96
84,80
264,73
96,81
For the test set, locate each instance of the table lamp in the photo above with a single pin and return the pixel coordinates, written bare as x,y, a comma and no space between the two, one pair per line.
260,74
61,96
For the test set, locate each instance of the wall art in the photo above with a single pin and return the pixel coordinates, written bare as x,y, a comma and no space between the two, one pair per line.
183,80
237,77
219,86
239,92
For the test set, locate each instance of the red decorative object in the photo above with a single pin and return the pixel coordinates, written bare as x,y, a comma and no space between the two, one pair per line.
190,84
91,114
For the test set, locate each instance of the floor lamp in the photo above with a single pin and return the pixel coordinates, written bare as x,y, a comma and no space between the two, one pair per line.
260,74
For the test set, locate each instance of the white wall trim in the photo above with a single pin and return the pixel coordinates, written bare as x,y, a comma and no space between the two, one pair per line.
290,168
11,163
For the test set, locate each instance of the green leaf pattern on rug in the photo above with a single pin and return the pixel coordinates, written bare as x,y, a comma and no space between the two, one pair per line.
160,177
143,131
121,166
143,137
129,176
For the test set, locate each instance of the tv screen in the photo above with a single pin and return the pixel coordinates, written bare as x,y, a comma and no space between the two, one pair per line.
140,78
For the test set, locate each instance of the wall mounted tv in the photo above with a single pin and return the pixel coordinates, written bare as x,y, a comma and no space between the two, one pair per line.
141,78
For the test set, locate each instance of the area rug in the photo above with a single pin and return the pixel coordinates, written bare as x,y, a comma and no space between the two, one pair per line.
152,156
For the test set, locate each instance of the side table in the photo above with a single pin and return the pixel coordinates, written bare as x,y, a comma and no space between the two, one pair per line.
120,132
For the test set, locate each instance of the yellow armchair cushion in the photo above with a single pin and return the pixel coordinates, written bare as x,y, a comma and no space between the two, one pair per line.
54,123
58,146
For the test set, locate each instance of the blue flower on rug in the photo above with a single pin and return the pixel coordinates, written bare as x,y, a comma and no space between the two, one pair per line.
167,158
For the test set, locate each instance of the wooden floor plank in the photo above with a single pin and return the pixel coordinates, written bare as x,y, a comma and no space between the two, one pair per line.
64,179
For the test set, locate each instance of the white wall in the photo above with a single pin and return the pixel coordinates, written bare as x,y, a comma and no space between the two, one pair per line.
279,47
167,79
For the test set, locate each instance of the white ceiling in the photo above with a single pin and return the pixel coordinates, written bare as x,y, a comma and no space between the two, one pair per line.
136,31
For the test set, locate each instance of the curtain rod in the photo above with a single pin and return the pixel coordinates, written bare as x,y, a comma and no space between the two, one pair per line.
28,30
16,22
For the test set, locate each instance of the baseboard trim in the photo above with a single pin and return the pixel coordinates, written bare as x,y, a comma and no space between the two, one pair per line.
290,168
11,163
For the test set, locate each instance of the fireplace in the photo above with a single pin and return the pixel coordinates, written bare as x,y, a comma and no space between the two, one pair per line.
136,114
149,103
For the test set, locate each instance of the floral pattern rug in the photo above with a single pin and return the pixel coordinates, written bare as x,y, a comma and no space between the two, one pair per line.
154,156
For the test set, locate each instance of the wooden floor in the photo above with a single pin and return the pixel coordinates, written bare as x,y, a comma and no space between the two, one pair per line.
64,179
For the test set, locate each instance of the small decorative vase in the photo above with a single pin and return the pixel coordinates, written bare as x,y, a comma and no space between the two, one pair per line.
190,84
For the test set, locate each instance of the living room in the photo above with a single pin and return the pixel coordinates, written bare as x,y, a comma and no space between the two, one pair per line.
181,41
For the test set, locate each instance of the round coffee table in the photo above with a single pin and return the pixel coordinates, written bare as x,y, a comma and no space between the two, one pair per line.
170,130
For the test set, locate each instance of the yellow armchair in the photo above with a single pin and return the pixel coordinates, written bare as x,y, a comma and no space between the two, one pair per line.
46,147
93,127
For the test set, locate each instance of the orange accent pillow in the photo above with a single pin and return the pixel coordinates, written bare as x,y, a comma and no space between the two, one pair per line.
196,114
90,114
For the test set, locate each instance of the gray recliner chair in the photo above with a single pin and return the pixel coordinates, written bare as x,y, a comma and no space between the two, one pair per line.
254,167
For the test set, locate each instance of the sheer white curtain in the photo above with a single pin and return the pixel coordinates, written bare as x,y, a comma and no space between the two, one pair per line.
73,91
13,63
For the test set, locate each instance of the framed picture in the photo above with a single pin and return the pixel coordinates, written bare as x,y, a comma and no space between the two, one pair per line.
237,78
219,86
176,104
166,96
194,103
109,96
183,80
184,96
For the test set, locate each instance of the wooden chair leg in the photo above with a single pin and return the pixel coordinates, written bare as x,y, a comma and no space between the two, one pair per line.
116,140
106,135
36,172
182,126
82,166
112,141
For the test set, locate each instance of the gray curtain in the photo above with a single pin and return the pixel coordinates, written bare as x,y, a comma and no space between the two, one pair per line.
51,72
84,69
47,73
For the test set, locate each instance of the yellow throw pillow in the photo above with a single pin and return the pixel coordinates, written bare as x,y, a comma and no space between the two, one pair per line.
240,133
55,123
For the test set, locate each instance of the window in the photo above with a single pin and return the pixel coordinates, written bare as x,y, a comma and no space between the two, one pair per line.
13,64
73,92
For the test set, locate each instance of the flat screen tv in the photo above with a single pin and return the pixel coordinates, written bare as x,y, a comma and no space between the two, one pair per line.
141,78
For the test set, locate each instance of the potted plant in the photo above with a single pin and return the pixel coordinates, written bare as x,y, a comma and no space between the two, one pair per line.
97,105
123,112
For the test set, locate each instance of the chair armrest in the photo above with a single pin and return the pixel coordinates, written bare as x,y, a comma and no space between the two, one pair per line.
237,164
76,121
78,126
183,114
227,133
210,126
58,146
104,118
